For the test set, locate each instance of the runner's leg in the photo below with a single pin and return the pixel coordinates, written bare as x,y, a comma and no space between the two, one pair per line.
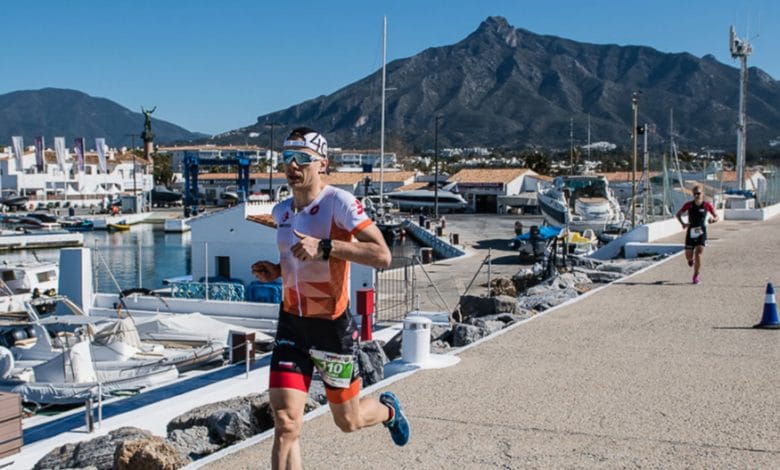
358,413
697,260
287,406
689,255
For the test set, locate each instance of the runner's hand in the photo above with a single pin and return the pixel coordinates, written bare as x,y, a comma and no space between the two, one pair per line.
684,225
266,271
712,220
308,248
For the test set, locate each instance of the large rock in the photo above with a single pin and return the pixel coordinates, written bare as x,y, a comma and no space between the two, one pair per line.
543,299
491,326
574,280
152,453
229,426
371,360
502,286
463,334
476,306
226,422
97,453
392,347
193,442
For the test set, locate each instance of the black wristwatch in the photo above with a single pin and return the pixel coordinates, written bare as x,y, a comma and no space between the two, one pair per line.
325,246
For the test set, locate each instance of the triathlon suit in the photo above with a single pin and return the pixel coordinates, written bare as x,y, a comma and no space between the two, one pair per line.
697,223
315,329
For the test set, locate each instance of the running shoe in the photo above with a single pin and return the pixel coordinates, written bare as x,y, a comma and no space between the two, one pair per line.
398,426
696,279
690,262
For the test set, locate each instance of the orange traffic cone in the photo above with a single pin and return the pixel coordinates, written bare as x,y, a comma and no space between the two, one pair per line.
769,320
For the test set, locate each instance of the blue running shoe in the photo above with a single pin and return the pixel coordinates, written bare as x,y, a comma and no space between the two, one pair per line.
399,426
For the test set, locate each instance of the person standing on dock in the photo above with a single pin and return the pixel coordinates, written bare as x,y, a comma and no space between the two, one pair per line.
696,229
315,230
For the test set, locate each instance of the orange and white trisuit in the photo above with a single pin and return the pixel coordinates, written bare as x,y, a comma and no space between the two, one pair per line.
314,318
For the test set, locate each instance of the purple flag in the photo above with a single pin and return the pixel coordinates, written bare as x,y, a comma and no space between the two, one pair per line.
39,153
78,145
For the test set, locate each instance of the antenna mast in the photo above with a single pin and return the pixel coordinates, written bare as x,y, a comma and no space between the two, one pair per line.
741,49
382,125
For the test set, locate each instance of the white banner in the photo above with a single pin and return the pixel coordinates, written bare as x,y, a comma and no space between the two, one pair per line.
18,144
59,149
100,146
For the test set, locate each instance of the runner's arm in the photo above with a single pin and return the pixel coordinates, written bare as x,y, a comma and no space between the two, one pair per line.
370,248
711,210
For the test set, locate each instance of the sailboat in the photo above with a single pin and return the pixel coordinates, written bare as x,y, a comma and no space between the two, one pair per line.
380,211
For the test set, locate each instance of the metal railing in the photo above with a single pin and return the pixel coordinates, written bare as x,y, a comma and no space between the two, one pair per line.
395,290
398,289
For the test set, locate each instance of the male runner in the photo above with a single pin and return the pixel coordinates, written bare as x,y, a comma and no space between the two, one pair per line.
315,231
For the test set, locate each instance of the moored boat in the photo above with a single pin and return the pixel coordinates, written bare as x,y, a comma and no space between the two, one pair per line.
580,203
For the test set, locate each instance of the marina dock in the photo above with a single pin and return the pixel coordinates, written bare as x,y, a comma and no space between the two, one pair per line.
650,371
22,241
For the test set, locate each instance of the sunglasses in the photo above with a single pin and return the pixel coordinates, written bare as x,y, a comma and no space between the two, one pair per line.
301,158
696,194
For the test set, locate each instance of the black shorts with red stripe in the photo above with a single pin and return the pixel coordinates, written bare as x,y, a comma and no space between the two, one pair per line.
292,366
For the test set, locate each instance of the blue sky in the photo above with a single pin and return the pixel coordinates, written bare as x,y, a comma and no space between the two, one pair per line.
213,66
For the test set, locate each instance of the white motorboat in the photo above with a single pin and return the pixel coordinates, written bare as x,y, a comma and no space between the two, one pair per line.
580,203
23,281
61,359
427,199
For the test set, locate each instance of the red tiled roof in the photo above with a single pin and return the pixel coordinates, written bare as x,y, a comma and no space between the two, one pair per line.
488,175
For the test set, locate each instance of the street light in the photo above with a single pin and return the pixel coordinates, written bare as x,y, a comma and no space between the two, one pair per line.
132,151
271,160
634,109
436,167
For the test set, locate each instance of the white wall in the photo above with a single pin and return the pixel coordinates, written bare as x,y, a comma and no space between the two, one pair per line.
228,233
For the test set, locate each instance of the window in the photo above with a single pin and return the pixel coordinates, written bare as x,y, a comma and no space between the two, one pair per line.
223,266
46,276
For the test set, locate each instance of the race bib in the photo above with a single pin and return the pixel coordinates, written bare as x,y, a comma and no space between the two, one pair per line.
335,369
696,232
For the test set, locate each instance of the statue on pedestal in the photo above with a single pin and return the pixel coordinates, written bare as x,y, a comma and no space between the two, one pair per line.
147,134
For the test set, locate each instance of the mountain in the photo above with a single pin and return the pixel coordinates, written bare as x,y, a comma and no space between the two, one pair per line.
504,86
58,112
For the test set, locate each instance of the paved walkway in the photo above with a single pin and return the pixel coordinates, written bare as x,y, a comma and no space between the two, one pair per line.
649,372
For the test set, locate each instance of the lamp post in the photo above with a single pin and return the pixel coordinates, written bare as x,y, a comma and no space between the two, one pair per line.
436,167
132,152
271,160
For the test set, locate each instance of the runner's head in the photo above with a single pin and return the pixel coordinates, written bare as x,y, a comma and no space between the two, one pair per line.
698,193
305,154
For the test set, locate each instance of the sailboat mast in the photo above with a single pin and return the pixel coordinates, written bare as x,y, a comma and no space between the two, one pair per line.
382,121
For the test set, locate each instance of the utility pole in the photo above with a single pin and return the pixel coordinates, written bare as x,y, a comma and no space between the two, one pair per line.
741,49
571,145
271,125
635,110
436,167
646,192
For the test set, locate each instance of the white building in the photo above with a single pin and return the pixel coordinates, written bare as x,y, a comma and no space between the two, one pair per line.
357,160
495,190
87,188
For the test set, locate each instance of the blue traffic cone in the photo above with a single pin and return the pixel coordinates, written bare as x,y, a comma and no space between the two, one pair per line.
769,320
